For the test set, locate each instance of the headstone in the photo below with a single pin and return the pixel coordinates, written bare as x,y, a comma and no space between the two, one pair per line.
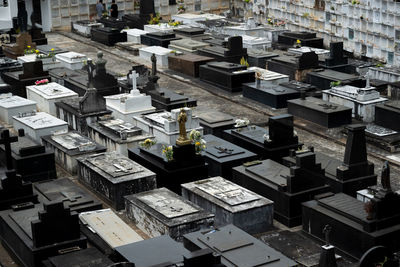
134,35
306,38
81,111
71,60
259,57
87,257
117,135
84,27
387,113
233,53
236,247
47,94
31,72
106,230
336,60
296,66
188,64
231,204
162,39
361,100
11,105
164,125
215,122
225,75
321,112
114,176
108,36
70,194
18,48
38,37
69,146
39,124
287,187
322,79
222,156
138,21
162,212
37,232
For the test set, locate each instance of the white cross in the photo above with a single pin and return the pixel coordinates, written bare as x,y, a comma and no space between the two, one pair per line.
134,76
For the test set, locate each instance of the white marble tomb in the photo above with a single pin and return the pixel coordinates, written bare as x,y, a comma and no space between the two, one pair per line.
72,60
12,105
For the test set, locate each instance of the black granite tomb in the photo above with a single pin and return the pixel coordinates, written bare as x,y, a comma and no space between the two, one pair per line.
188,63
236,247
139,20
79,258
158,38
36,232
225,75
222,156
272,143
31,72
186,166
259,57
47,49
306,38
190,32
73,196
336,60
321,112
379,254
215,122
112,23
8,65
232,53
272,95
287,187
295,66
388,113
58,75
31,160
141,81
108,36
310,90
4,87
38,36
322,79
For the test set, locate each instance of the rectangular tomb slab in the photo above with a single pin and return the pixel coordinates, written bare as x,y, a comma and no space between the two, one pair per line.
106,230
86,257
231,203
71,60
215,122
222,156
187,63
237,248
160,212
108,36
12,105
114,176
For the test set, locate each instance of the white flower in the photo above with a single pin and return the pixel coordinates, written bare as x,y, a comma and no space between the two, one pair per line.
266,138
242,122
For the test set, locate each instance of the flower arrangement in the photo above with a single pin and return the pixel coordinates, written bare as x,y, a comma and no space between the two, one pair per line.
41,56
154,19
181,9
334,84
244,62
168,152
148,143
174,23
199,143
29,50
241,122
270,21
42,82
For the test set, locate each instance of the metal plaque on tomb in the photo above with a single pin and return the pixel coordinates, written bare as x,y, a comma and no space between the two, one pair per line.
113,165
227,192
222,149
167,203
271,171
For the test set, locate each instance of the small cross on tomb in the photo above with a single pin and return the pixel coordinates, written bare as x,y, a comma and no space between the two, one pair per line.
134,76
120,168
6,140
224,150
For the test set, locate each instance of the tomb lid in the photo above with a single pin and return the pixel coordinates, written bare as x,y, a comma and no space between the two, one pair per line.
319,105
296,85
306,49
220,148
63,72
267,74
226,191
113,164
169,95
118,126
272,89
260,52
393,104
214,117
191,57
134,32
40,120
188,43
108,30
7,62
71,56
159,118
12,101
26,143
88,23
48,48
74,140
162,35
114,231
158,50
84,257
167,203
251,132
227,66
271,171
334,75
24,218
190,30
52,90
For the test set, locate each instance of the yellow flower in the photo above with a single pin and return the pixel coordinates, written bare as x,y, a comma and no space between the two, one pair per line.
197,143
298,41
269,19
52,49
29,46
37,51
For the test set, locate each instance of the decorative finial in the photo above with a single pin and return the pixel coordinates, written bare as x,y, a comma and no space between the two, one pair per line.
326,231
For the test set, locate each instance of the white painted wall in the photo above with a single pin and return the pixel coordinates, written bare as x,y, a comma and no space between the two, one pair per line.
6,15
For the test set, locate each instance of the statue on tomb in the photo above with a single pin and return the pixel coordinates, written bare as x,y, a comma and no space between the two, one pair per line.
183,139
100,63
326,231
90,69
153,78
385,177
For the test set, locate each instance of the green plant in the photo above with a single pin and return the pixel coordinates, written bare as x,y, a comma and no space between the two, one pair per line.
306,15
332,8
355,2
168,152
270,21
380,65
154,19
174,23
199,143
29,50
336,83
246,1
244,62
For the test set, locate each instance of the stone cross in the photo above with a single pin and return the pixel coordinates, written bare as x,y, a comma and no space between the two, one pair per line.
6,140
327,230
224,150
134,76
367,85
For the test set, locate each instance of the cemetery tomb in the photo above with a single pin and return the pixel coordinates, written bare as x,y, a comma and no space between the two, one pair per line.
38,37
161,54
37,232
272,143
66,191
58,75
310,90
67,147
215,122
249,28
295,66
164,125
322,79
186,45
362,101
134,35
259,57
232,53
106,231
84,27
287,187
12,105
387,113
225,75
159,38
190,32
87,257
71,60
48,63
111,23
47,94
188,63
162,212
17,49
139,20
289,38
322,53
108,36
114,176
4,87
162,27
320,112
250,42
236,247
231,204
191,19
270,77
39,124
336,60
117,135
221,156
31,72
9,65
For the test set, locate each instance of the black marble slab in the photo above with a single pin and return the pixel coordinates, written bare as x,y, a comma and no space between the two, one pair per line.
108,36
